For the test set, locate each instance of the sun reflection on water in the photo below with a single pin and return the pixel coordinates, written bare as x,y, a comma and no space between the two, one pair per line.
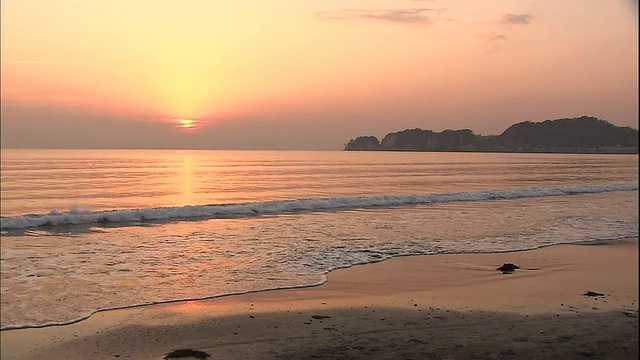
187,182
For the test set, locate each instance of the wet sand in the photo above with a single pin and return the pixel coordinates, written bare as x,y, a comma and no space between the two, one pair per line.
418,307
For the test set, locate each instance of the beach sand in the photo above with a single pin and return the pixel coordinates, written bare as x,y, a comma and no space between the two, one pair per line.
418,307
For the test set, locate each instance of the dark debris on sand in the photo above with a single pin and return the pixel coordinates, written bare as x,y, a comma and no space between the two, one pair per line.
592,293
320,317
508,268
181,353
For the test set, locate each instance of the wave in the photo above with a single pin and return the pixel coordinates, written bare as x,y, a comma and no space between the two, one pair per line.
77,216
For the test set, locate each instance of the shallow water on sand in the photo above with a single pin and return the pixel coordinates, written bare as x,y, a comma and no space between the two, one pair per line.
60,273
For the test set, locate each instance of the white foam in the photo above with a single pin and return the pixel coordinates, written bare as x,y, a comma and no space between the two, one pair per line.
76,216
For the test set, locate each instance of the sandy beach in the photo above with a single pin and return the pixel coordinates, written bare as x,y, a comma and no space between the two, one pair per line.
419,307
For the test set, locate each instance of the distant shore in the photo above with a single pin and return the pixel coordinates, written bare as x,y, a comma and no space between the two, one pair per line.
563,151
432,307
583,135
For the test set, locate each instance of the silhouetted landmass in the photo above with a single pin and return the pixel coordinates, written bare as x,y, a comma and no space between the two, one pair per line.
364,143
579,135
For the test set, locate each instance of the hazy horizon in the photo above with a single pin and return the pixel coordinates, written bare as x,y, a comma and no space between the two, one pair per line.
306,75
169,146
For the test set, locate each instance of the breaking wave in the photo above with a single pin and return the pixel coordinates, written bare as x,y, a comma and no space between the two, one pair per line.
78,216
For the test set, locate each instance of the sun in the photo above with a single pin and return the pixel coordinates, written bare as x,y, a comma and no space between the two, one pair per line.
187,124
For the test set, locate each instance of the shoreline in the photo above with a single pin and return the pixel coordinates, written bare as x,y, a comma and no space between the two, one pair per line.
296,287
400,297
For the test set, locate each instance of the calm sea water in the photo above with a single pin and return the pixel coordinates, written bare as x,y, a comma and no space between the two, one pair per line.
84,230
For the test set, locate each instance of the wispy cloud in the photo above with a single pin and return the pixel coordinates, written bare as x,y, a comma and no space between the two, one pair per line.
506,24
412,16
502,29
493,37
515,19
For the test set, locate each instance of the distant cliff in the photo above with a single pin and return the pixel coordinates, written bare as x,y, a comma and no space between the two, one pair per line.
363,143
579,135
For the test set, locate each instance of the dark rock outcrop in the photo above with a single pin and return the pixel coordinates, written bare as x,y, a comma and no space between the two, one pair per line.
508,268
579,135
363,143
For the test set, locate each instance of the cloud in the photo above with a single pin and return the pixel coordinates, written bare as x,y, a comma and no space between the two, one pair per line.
513,19
412,16
503,27
496,37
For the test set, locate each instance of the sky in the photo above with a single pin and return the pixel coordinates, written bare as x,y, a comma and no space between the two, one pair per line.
306,74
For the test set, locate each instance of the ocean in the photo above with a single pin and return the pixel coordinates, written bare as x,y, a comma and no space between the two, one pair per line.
88,230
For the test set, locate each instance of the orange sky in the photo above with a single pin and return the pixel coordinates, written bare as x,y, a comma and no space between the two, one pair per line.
306,73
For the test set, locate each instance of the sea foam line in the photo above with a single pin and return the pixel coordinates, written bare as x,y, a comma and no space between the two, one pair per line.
277,207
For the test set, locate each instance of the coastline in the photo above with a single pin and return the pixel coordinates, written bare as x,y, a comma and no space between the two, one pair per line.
508,151
429,306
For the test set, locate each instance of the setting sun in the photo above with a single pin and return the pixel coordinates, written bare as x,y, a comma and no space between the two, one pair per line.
175,153
187,124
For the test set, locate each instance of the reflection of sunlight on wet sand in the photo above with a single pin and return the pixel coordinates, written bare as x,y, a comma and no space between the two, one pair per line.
188,306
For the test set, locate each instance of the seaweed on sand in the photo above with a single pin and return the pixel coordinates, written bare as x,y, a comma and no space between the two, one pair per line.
181,353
